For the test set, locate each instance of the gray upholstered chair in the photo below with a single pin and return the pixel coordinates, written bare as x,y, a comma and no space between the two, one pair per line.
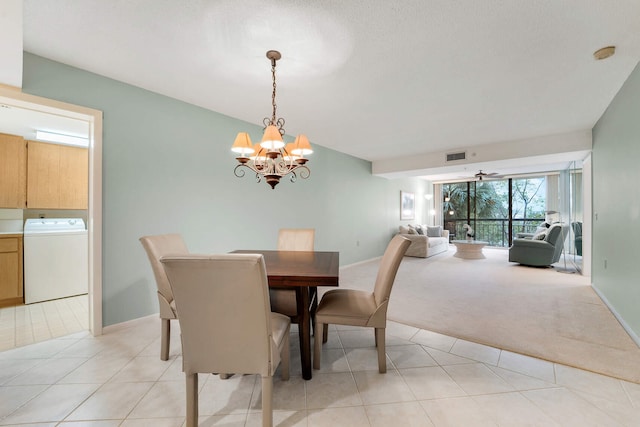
283,300
226,322
543,226
577,235
540,253
156,247
361,308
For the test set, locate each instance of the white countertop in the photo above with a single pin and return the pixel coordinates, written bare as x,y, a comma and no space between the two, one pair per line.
11,226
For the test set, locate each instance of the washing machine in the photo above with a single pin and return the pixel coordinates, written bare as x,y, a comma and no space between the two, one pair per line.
56,259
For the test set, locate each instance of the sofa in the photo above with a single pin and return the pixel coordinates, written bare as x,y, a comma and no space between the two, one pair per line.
426,241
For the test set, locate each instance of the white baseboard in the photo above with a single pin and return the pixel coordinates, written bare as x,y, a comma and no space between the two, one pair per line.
124,325
360,262
624,324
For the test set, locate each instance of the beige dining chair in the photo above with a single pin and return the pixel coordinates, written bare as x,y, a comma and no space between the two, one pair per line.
226,322
156,247
362,308
283,300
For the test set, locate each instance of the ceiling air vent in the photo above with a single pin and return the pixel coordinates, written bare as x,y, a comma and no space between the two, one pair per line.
456,156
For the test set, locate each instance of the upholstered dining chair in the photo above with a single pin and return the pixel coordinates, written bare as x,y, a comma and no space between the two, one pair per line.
283,300
156,247
226,322
362,308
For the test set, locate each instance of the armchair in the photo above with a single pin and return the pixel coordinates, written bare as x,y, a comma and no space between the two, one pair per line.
577,233
541,227
540,253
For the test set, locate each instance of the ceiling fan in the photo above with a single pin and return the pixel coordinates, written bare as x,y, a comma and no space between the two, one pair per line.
481,175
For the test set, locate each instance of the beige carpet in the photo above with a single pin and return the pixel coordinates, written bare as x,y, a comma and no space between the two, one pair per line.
537,312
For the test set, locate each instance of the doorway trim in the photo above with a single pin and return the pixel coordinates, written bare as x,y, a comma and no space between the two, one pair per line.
15,97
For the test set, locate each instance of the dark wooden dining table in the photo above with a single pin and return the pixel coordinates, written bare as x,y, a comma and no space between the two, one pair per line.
301,270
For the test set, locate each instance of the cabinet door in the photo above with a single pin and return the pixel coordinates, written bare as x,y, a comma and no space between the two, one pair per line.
13,171
43,168
57,176
74,177
11,269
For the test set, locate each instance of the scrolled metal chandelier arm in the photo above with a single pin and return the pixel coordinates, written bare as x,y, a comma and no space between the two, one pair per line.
238,171
274,165
304,172
271,159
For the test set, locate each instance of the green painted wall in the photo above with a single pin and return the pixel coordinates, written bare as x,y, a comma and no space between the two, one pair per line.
167,167
616,203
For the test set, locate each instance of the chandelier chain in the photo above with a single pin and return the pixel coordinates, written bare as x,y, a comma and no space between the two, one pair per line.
273,94
279,123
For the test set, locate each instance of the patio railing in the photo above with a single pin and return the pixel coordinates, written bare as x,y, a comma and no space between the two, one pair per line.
494,231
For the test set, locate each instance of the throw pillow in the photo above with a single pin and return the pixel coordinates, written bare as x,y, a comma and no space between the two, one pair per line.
434,231
540,235
412,231
403,230
419,229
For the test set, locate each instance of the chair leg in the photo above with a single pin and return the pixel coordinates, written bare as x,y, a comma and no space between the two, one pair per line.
325,333
317,344
267,401
192,400
382,357
313,295
284,357
165,337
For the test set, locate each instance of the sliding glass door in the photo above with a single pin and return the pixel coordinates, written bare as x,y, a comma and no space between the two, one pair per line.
496,210
529,203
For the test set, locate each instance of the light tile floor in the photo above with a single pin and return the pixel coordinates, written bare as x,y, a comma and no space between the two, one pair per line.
28,324
118,379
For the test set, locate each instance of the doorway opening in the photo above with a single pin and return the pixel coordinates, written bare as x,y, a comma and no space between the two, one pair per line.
14,99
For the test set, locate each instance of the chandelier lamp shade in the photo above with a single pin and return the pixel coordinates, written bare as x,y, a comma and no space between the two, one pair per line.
271,159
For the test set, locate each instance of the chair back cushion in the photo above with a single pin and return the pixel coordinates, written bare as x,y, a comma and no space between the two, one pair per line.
224,313
389,267
296,239
157,247
556,235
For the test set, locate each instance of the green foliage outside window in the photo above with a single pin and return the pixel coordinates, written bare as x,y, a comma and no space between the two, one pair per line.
485,206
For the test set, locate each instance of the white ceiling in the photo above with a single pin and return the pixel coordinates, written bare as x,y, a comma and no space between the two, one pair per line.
375,79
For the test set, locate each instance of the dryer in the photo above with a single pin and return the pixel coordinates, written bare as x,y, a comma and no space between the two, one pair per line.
56,259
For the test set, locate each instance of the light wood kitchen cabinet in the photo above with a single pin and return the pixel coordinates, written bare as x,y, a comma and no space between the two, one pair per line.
57,176
11,284
13,171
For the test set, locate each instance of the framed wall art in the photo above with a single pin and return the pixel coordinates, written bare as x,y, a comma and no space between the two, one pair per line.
407,205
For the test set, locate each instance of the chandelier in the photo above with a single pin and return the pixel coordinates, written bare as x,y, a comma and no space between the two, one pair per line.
271,159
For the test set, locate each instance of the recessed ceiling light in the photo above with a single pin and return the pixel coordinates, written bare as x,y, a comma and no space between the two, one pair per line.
604,53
